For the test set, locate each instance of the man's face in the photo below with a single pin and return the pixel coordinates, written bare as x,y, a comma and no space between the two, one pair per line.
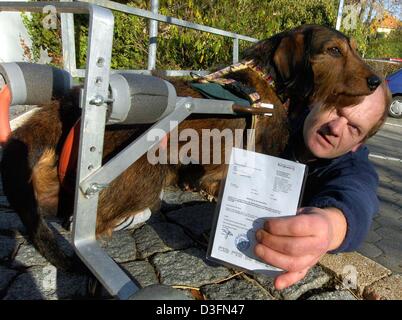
332,133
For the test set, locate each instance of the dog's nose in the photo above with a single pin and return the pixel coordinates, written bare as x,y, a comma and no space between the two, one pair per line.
373,82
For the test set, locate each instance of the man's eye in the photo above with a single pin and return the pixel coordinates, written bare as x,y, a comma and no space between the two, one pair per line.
335,51
354,129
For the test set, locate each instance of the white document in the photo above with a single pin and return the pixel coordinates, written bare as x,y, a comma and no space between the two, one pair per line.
257,186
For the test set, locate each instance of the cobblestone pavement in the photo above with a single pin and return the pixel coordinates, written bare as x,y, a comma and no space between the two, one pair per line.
384,241
170,249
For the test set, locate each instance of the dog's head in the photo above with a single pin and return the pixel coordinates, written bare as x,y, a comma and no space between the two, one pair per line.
315,64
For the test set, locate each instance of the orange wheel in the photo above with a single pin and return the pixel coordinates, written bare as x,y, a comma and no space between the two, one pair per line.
5,100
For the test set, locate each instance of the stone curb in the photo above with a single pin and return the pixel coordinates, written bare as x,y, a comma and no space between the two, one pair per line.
363,276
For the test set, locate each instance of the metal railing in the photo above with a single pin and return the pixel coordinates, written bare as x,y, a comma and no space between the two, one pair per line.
154,17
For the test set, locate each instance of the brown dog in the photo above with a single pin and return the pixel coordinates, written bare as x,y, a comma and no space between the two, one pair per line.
309,65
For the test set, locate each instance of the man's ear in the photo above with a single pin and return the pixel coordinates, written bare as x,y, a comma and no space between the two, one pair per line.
354,149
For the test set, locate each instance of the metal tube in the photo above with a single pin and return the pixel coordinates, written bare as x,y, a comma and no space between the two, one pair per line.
235,50
161,18
80,73
153,36
68,41
184,107
339,18
100,39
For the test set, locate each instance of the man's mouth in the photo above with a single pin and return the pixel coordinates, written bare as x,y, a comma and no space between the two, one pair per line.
324,137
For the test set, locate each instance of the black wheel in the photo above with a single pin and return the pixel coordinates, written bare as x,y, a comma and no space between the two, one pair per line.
395,108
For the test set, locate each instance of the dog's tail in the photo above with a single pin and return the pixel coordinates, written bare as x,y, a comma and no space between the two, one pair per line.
27,170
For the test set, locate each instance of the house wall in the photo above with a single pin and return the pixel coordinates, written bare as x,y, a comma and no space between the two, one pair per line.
384,30
12,30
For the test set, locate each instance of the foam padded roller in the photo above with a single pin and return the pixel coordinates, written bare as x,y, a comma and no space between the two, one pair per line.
140,98
32,83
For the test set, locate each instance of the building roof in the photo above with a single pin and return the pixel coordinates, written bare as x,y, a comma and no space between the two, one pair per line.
390,22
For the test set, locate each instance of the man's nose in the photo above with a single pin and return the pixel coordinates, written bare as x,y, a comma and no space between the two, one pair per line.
336,126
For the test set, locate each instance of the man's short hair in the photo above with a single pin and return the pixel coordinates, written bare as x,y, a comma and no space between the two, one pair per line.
387,102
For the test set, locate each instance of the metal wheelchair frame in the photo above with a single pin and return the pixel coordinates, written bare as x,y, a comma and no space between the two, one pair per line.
92,176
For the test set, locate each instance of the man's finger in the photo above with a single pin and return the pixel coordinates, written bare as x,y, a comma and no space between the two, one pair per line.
291,246
289,278
283,261
302,225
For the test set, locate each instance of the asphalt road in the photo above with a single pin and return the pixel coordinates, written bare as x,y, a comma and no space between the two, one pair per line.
384,242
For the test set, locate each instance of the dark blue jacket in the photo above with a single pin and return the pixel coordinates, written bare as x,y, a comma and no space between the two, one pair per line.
348,183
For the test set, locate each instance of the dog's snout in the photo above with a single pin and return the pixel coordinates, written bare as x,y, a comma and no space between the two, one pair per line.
373,82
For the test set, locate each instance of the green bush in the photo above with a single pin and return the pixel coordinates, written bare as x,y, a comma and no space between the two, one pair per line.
181,48
386,46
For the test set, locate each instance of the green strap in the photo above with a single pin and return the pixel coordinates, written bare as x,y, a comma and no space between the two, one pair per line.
218,92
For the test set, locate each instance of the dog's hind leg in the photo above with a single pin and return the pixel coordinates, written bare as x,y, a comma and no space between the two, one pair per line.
19,189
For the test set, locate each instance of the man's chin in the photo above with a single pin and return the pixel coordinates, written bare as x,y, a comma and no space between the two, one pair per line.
322,153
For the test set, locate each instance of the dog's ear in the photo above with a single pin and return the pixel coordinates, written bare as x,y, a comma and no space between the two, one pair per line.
291,60
289,56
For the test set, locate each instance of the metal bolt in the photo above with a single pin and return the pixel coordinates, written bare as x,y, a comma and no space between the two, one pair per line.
100,62
94,188
98,81
97,101
188,106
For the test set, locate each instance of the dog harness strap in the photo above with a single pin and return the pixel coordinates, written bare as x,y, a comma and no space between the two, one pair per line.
5,100
240,89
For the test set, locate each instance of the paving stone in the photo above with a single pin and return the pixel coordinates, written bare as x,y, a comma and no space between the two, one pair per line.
372,237
174,195
6,276
28,256
385,192
160,237
47,283
389,211
188,267
197,219
390,222
9,220
389,288
370,250
7,247
396,185
392,257
142,272
121,247
347,266
334,295
315,278
375,225
388,233
235,290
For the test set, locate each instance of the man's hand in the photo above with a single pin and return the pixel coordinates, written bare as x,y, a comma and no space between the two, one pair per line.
295,244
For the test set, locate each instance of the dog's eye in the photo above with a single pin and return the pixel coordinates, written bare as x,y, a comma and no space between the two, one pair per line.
335,51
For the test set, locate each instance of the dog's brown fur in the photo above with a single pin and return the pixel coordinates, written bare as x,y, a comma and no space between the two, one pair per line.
305,70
